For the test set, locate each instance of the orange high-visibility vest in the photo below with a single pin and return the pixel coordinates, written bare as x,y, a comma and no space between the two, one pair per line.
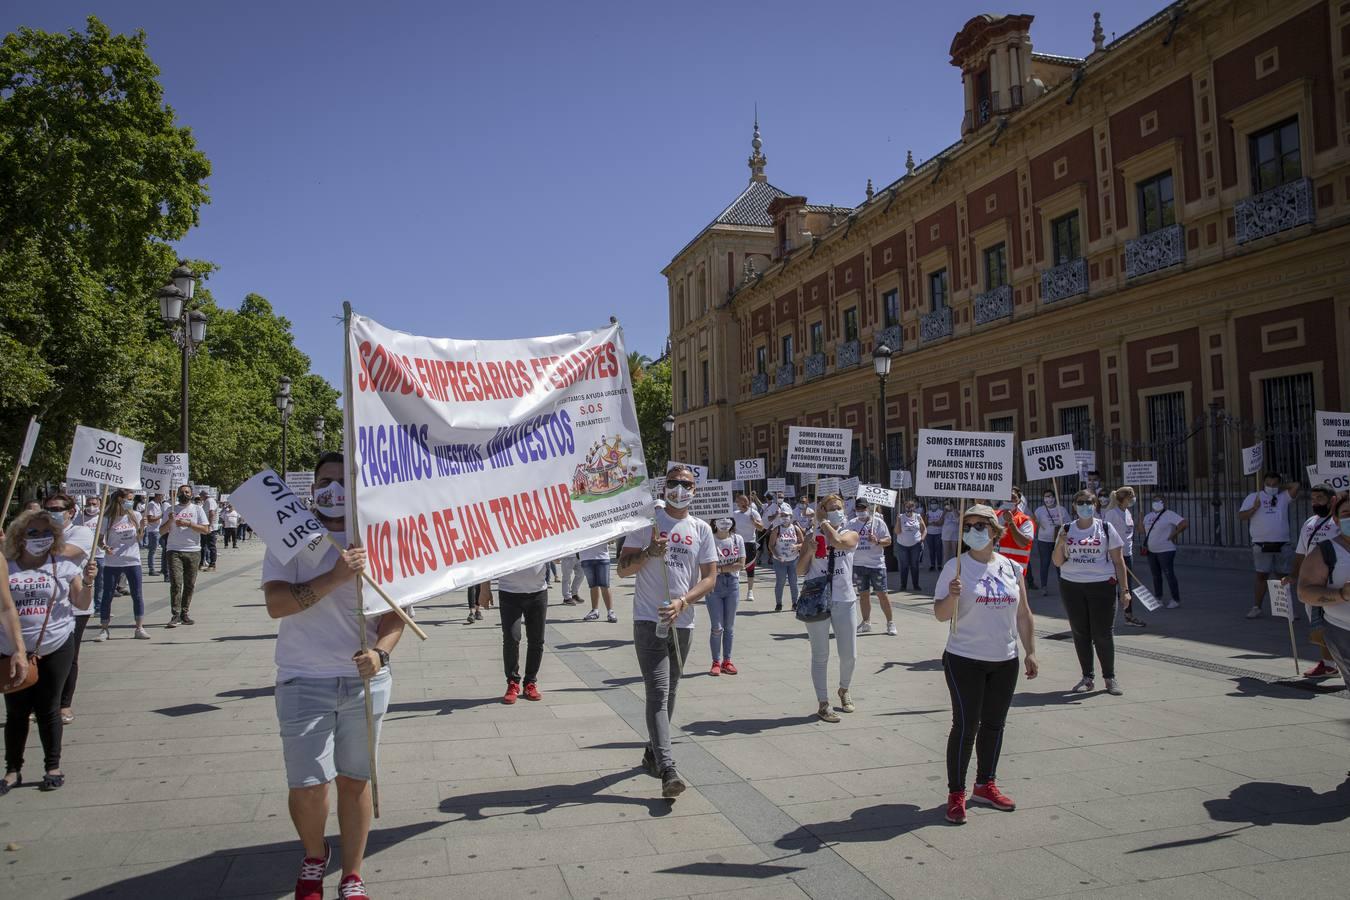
1019,555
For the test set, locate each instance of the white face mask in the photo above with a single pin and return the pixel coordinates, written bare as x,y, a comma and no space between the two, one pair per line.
1158,506
1048,501
1271,491
1085,510
835,517
331,500
38,546
90,512
976,540
679,496
724,525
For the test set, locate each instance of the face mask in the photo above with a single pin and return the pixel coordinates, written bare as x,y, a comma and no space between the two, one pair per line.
679,497
862,510
1271,491
976,540
184,498
1158,505
90,512
38,546
1085,510
58,516
1048,501
1320,509
723,525
331,500
127,504
1345,527
835,517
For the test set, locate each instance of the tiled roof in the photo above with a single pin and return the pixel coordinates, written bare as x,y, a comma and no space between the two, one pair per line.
751,207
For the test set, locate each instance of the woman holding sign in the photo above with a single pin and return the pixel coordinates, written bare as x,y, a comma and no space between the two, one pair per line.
988,598
120,538
1092,578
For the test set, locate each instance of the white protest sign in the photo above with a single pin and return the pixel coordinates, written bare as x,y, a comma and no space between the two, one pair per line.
302,483
827,485
1140,472
1333,441
282,519
105,457
776,485
1280,606
472,459
29,442
1335,482
711,500
179,463
749,469
1049,457
700,472
790,491
821,450
1253,458
1086,461
849,487
901,479
78,487
876,496
1145,596
964,464
156,479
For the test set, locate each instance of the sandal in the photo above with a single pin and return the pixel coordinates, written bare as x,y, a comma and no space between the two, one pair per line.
6,787
52,782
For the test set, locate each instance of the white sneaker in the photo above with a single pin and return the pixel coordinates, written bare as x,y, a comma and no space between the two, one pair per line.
749,596
612,616
1172,604
103,635
591,616
1255,612
1082,687
1113,687
142,634
890,629
864,627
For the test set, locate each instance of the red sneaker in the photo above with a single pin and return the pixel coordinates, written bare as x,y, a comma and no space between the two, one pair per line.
956,807
532,692
989,793
353,888
512,692
716,668
728,668
309,886
1321,670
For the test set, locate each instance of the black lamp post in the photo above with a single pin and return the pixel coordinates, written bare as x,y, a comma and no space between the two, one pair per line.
669,426
881,361
284,406
188,327
318,433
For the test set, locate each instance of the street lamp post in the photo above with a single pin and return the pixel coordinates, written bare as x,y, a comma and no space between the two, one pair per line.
318,433
284,406
669,426
188,327
881,362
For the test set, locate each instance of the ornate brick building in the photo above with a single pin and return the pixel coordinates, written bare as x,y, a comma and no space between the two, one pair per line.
1145,247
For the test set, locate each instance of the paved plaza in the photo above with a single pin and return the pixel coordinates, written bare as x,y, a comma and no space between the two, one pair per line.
1209,778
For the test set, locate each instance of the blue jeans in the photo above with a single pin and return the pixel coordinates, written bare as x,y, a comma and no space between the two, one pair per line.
98,579
782,570
1044,550
908,558
105,597
722,603
1161,564
934,542
151,545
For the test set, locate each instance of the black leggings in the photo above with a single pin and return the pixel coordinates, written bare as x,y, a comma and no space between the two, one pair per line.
981,694
532,608
68,692
44,699
1091,607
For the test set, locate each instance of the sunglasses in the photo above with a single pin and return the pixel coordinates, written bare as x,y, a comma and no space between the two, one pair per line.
978,526
38,532
675,482
56,509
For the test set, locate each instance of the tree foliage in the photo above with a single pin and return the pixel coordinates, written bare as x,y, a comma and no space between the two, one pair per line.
651,396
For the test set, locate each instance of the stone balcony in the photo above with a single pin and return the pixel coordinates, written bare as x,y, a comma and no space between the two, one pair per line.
891,337
993,305
1155,251
936,324
1064,281
848,354
785,376
814,365
759,384
1270,212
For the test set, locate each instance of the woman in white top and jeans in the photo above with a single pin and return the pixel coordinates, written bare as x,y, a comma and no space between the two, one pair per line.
120,539
1092,577
1120,518
785,548
988,597
834,546
910,531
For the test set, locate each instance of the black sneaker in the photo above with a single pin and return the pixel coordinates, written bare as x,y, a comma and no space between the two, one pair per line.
188,620
174,622
649,763
1135,623
672,785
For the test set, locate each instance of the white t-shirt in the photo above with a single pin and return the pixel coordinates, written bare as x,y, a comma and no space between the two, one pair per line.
871,528
986,612
318,642
1048,521
805,517
32,589
1310,534
153,511
599,552
951,525
231,518
786,547
689,545
121,539
1338,614
1122,520
1158,530
907,528
1271,521
182,538
82,538
730,549
841,589
745,524
1087,552
529,580
935,517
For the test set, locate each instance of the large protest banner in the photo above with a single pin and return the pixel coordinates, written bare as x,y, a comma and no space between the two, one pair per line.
471,459
822,451
973,464
1049,457
1333,441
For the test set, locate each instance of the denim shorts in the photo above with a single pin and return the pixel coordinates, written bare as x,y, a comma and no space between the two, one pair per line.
1270,563
323,726
867,578
597,572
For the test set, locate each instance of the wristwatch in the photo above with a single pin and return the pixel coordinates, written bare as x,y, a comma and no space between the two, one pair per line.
384,657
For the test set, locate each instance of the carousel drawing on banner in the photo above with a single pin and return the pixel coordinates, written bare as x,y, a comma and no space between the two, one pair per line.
609,468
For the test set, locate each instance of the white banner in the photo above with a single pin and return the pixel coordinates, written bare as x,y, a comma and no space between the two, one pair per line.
1086,461
105,457
1333,441
827,485
1145,596
301,483
901,479
776,485
700,472
712,500
749,469
849,487
876,496
973,464
29,441
179,463
790,491
472,459
280,517
156,480
825,451
1139,473
1049,457
1339,482
1280,607
1253,458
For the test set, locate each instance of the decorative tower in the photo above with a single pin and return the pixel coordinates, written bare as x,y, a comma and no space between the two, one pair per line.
757,159
1098,37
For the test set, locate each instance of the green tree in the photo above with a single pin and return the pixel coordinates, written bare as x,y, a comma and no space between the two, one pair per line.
637,366
651,396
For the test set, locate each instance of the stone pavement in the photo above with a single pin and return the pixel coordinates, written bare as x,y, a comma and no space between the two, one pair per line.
1209,778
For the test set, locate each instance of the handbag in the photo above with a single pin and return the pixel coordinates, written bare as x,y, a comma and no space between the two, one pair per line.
813,601
31,677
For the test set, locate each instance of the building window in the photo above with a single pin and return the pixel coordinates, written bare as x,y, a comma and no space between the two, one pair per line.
706,387
895,451
851,323
890,308
937,289
1169,429
1287,407
787,349
816,335
761,360
1275,156
684,391
1064,243
856,458
1155,203
1001,423
1077,421
995,267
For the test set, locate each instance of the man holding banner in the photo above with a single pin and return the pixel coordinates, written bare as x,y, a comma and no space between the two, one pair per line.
321,684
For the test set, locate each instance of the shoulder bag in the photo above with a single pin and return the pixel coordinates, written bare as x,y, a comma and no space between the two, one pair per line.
31,677
813,603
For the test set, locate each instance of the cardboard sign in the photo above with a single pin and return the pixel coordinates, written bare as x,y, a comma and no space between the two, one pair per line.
827,485
750,469
700,472
964,464
849,487
105,457
1049,457
179,463
156,480
825,451
29,442
876,495
282,519
901,479
78,487
1280,606
711,500
1253,458
302,483
1333,441
776,485
1138,473
1145,596
1086,461
1339,482
790,491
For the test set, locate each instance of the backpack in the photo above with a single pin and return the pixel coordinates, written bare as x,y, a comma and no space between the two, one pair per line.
1328,557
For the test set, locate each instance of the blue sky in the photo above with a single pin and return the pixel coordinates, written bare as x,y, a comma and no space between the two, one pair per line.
511,169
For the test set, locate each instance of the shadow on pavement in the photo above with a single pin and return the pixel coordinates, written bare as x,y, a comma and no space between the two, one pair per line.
597,644
1276,803
871,824
709,728
540,800
731,870
245,637
249,693
438,707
